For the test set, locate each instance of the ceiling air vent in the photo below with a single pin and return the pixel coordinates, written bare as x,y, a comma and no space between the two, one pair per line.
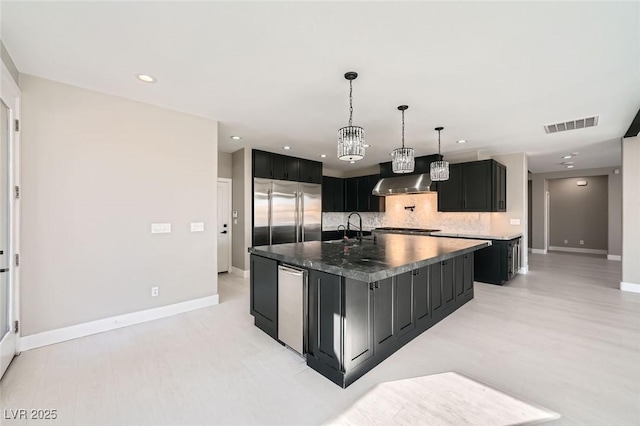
572,125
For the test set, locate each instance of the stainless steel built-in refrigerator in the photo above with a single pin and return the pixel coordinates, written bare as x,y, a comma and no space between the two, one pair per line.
286,212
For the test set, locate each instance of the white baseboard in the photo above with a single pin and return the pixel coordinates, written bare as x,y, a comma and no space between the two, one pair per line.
240,272
578,250
632,287
524,270
538,251
614,257
93,327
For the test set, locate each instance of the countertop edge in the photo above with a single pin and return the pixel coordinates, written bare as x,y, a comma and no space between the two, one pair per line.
476,236
369,277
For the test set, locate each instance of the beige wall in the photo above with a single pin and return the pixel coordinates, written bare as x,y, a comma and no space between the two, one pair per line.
242,203
540,186
97,170
8,62
579,213
630,211
224,165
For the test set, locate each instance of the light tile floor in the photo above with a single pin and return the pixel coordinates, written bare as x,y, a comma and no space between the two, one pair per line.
563,337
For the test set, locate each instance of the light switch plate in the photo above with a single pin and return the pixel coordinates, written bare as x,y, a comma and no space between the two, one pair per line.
514,221
197,226
235,213
160,228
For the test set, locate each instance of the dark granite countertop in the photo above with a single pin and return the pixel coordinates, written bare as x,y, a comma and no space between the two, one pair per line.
370,260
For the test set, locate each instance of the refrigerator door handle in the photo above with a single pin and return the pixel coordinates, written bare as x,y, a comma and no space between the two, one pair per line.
302,216
269,215
297,216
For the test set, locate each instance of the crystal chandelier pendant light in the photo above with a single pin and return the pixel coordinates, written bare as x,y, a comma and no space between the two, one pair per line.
351,138
403,159
439,169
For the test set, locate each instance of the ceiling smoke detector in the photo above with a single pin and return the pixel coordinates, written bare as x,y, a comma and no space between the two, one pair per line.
581,123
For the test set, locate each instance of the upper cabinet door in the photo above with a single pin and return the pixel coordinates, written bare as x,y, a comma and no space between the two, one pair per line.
450,191
501,188
278,165
376,204
262,164
292,169
476,189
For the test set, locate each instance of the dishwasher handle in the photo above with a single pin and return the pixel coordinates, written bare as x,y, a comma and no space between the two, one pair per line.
292,271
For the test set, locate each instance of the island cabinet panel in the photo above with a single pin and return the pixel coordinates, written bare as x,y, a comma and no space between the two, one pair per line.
448,291
264,294
325,313
384,331
435,291
358,315
422,307
468,275
405,314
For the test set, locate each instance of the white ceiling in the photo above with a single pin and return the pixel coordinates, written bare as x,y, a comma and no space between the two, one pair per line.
492,73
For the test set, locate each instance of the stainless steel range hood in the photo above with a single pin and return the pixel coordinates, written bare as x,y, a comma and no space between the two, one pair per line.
406,184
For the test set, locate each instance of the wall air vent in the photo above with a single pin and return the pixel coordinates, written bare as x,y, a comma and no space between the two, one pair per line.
572,125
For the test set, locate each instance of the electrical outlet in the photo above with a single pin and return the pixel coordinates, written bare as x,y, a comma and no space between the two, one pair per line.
160,228
582,242
566,241
154,291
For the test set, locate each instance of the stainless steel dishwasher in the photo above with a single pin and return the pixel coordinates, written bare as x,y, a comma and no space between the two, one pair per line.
292,307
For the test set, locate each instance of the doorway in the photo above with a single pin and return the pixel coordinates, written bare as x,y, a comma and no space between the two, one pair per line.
223,227
9,214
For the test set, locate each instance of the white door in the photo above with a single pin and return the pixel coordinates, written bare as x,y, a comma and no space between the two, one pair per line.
224,225
9,113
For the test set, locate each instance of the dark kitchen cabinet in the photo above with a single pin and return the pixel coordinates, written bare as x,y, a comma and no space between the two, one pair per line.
262,164
405,313
463,277
499,262
384,331
325,302
358,194
310,171
283,167
358,314
332,194
477,186
351,194
441,288
421,298
264,294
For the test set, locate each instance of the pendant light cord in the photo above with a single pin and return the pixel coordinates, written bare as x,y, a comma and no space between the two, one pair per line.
350,102
439,143
402,129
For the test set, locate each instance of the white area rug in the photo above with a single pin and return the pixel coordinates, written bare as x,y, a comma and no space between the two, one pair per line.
440,399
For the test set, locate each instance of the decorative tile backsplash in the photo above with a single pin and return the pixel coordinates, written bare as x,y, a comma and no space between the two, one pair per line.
424,215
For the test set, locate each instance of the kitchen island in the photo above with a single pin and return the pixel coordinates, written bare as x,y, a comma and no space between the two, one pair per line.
365,298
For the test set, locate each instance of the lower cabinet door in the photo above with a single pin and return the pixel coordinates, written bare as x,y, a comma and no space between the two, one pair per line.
264,294
383,314
358,342
422,309
325,318
458,276
448,283
468,274
405,315
435,291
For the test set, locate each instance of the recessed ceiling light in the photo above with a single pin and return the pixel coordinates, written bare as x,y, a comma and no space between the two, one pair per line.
323,155
566,163
286,147
352,161
236,138
146,78
566,157
569,166
462,141
366,145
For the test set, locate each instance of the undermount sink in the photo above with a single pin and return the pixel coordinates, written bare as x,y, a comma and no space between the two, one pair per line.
352,241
